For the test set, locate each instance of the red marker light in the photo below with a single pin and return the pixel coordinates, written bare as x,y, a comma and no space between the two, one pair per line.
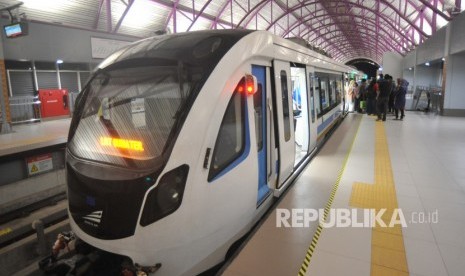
250,84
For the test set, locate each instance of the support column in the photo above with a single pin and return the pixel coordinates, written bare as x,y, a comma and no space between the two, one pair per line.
444,66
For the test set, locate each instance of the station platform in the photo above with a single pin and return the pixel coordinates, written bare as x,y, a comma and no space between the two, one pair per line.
413,168
34,136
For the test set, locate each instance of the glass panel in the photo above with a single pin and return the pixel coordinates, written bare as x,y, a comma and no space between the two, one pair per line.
317,96
130,113
312,102
285,102
324,93
230,141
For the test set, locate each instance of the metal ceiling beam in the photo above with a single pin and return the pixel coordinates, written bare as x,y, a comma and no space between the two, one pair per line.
336,19
368,20
435,10
128,7
364,47
182,8
286,8
172,14
362,26
304,4
347,51
253,12
99,11
215,22
198,15
434,25
385,47
386,43
109,23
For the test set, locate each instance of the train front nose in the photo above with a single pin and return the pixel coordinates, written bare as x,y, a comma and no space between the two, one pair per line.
105,209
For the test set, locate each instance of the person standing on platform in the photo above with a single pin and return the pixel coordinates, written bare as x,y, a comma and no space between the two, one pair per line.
399,101
371,97
384,89
361,94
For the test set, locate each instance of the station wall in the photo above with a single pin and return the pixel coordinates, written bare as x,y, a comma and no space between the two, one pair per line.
432,48
447,42
409,60
392,64
47,42
457,38
454,102
430,76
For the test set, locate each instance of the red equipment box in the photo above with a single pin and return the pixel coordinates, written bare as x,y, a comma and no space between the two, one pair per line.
54,102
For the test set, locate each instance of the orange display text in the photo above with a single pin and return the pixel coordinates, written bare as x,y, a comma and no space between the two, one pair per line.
134,145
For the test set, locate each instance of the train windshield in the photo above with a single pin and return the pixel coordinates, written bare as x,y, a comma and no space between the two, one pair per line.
131,111
136,102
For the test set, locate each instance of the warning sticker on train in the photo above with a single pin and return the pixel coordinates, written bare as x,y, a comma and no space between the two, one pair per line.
39,164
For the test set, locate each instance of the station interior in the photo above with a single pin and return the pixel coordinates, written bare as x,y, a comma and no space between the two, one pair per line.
349,171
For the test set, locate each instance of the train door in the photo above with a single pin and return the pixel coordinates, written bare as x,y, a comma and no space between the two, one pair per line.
300,111
260,112
312,104
284,119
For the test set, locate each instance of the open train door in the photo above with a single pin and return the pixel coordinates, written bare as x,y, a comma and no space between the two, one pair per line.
312,104
284,120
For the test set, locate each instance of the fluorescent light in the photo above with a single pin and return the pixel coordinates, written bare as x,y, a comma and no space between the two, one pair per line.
427,64
59,61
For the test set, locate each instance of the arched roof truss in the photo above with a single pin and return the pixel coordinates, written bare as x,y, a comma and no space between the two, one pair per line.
345,29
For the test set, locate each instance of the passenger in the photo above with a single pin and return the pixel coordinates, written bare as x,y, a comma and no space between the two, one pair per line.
361,94
350,96
384,89
355,95
399,102
391,98
371,97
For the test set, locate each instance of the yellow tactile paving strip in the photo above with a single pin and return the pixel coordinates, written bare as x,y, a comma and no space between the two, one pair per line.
387,243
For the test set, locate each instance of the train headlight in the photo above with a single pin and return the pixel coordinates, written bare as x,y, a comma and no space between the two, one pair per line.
166,197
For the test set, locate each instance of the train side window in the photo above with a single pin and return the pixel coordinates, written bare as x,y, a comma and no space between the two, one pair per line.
230,142
317,96
324,94
285,102
312,100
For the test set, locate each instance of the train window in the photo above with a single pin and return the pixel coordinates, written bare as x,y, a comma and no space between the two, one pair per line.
317,96
230,142
285,102
130,112
324,93
338,90
312,100
332,95
258,107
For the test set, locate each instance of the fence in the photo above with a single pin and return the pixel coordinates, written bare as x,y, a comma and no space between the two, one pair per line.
427,99
24,109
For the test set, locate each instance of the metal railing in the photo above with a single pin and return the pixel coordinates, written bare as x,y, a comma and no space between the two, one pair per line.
24,109
427,98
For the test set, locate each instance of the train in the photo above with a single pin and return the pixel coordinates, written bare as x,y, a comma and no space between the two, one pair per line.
180,143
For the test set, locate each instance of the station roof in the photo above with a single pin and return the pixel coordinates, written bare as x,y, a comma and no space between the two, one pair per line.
345,29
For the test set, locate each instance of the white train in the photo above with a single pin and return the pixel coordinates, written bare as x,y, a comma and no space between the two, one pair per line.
180,143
